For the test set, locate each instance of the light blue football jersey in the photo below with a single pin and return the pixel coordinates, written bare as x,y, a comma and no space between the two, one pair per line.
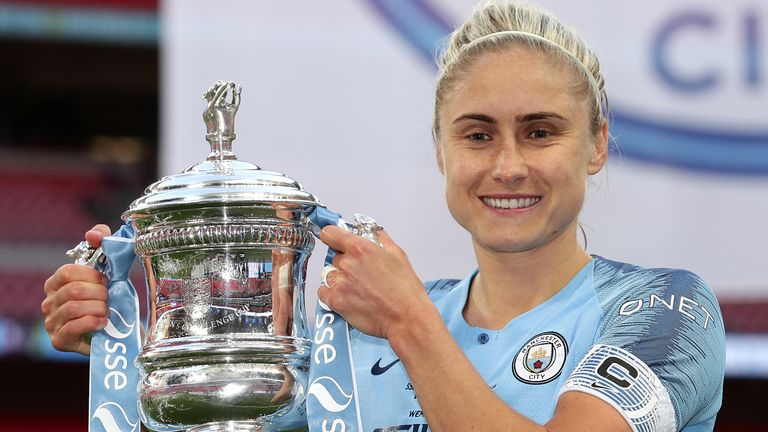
650,342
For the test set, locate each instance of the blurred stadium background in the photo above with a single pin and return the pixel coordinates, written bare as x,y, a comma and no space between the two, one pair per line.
102,97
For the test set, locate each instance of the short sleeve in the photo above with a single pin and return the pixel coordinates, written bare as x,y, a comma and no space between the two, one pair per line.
439,287
660,350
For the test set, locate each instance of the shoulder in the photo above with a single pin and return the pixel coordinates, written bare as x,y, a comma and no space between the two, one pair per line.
635,279
663,328
654,312
625,290
439,287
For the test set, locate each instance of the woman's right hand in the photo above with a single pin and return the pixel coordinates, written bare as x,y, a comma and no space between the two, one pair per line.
76,301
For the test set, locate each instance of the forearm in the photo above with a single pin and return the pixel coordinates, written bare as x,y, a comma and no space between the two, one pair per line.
452,395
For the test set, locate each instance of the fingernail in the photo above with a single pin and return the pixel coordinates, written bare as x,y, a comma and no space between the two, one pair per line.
102,324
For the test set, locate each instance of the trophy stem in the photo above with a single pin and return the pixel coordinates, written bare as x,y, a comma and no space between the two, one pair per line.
221,148
229,426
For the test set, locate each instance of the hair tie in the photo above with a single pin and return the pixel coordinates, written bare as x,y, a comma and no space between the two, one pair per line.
529,35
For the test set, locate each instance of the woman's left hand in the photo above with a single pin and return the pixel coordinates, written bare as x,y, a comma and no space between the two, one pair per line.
374,288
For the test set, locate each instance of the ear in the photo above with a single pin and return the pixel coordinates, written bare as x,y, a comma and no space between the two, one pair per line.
599,150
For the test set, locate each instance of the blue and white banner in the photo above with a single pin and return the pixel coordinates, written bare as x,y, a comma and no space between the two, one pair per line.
345,107
114,378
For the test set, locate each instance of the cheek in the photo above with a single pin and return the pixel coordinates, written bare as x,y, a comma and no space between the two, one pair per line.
452,184
460,178
571,180
575,186
460,174
576,164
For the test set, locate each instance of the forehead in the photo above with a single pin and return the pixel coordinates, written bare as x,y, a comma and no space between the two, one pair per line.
516,80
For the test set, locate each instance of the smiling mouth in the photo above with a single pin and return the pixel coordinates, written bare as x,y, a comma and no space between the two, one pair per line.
512,204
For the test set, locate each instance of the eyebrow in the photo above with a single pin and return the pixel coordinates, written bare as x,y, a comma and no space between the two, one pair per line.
543,115
538,116
479,117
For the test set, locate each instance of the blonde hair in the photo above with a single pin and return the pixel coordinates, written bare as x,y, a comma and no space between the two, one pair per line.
499,25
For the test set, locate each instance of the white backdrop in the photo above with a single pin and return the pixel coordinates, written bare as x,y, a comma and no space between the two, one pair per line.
338,95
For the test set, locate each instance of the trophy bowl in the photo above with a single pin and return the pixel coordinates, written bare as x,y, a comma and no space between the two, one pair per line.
224,246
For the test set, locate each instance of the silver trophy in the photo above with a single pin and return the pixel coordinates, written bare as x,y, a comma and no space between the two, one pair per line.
224,246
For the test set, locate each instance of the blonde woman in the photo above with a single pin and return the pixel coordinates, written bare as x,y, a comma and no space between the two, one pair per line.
542,335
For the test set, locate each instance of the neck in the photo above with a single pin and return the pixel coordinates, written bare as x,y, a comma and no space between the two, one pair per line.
511,283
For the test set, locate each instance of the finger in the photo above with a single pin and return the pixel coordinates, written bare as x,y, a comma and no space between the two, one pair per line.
327,270
323,295
69,337
338,261
336,238
69,273
331,277
80,290
329,293
45,306
96,234
77,309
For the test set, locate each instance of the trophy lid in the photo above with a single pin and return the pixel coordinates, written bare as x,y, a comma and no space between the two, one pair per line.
221,179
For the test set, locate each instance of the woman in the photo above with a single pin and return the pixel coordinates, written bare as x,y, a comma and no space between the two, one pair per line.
541,333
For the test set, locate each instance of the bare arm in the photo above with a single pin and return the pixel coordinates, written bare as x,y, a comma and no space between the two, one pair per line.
454,397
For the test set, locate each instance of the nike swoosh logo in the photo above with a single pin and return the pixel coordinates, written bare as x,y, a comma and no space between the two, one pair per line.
378,369
597,385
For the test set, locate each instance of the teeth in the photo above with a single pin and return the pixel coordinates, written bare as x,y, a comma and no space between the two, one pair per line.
511,203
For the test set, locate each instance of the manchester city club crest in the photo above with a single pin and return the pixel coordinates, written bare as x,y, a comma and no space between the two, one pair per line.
541,359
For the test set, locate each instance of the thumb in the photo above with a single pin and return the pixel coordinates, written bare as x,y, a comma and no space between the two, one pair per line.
96,234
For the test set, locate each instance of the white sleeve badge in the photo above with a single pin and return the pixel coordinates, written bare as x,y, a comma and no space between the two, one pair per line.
629,385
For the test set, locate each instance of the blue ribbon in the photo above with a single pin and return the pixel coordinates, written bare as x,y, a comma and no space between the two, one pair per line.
333,405
114,379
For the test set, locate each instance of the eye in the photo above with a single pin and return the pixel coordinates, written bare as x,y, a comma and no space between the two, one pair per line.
540,134
478,136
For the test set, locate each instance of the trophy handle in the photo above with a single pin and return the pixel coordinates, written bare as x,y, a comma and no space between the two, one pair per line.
86,255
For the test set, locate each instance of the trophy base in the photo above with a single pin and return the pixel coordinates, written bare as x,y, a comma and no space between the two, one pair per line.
229,426
222,384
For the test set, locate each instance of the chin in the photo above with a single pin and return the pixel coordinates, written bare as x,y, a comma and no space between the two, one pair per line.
497,245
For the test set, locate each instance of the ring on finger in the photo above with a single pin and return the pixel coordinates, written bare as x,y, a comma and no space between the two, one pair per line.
324,274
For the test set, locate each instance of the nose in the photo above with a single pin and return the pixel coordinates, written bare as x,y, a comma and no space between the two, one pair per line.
509,165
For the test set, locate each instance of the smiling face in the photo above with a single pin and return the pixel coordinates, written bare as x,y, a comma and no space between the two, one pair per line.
516,149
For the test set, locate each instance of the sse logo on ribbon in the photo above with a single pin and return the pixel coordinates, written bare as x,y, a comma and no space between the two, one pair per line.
105,414
331,408
319,390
